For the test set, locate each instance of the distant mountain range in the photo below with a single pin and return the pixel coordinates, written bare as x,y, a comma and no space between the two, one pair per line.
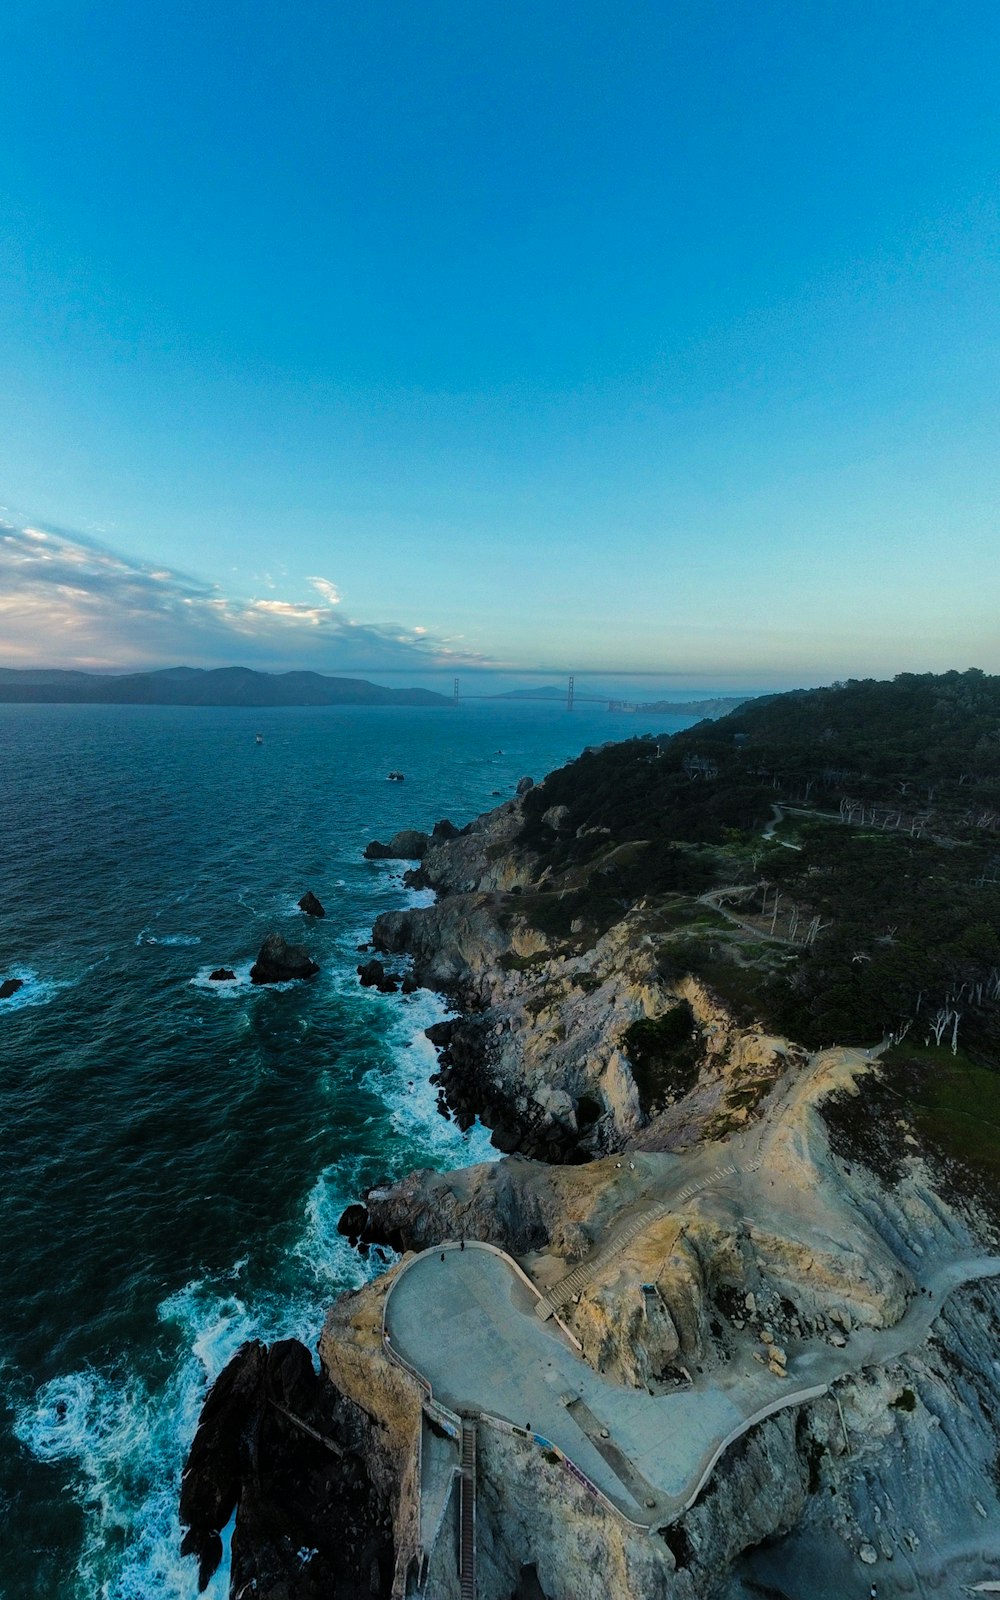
198,686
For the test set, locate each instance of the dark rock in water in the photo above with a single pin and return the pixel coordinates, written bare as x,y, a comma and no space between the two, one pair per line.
409,844
374,976
277,961
10,986
311,906
211,1483
293,1491
524,784
416,878
353,1222
409,984
222,975
444,830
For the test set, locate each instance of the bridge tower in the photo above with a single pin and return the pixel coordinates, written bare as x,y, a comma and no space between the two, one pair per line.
569,693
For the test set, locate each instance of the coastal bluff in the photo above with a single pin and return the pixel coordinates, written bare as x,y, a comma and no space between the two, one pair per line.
720,1319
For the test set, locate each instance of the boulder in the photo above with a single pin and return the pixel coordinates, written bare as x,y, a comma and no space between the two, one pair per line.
353,1222
557,818
524,784
409,984
10,986
222,975
558,1105
374,976
277,961
311,906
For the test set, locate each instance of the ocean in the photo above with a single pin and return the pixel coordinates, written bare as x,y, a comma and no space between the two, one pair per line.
175,1154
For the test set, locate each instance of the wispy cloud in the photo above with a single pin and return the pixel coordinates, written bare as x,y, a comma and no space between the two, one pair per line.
67,600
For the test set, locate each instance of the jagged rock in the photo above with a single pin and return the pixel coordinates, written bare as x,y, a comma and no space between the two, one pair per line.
868,1554
409,844
556,818
211,1482
558,1105
409,984
445,830
292,1491
311,906
10,986
277,961
353,1222
524,784
374,976
222,975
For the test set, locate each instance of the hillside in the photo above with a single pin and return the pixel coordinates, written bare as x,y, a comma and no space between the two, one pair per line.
196,686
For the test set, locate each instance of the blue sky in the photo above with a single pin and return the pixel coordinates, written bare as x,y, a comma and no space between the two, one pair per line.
645,337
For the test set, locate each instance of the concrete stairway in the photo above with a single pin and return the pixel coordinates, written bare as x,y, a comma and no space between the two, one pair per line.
581,1275
467,1513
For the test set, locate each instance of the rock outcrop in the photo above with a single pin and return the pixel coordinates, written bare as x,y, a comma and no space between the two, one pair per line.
10,986
222,975
278,962
312,906
409,844
279,1445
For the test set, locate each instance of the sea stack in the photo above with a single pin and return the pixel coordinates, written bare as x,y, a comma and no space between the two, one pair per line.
277,961
311,905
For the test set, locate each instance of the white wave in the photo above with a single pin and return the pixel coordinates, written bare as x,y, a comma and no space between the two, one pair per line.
405,1089
332,1263
179,939
416,899
34,991
123,1449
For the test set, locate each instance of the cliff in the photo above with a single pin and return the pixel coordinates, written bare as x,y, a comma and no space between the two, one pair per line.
751,1282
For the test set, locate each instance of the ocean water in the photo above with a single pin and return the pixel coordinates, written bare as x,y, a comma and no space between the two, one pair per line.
174,1154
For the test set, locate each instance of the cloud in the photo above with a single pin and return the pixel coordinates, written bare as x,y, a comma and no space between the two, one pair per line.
329,590
66,600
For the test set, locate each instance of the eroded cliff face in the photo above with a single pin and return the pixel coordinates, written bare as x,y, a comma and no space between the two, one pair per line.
548,998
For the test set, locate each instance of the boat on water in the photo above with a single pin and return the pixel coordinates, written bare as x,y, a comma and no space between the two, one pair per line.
259,738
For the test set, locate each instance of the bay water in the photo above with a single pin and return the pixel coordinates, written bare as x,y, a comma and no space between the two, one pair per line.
175,1154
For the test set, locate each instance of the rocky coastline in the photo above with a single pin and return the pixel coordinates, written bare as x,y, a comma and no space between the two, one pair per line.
803,1248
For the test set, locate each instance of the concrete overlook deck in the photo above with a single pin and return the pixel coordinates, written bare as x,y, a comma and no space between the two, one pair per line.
464,1318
